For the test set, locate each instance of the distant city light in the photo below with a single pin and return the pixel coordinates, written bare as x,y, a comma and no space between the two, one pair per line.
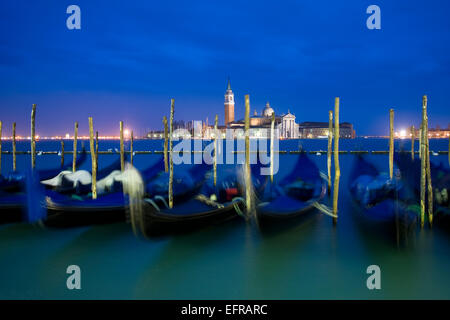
67,136
403,133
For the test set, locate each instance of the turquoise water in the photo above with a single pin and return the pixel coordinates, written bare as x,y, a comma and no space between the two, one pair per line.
309,260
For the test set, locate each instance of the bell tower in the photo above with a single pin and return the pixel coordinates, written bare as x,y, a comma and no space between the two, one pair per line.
229,104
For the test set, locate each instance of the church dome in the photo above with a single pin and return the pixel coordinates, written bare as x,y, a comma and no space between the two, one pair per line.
267,111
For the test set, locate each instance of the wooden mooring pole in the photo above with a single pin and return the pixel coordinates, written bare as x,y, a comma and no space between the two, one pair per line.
75,142
272,151
122,154
14,145
93,159
166,144
428,170
172,107
423,163
413,141
420,140
216,121
131,147
329,151
248,195
62,153
33,136
96,151
337,169
391,143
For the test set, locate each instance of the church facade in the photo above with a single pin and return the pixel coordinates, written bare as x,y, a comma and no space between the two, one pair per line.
260,123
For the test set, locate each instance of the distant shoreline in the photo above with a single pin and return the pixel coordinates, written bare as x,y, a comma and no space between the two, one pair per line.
146,138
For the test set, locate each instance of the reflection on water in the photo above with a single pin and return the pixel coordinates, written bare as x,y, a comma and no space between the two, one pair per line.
307,259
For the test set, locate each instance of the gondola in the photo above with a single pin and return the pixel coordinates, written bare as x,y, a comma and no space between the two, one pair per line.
440,177
14,181
11,206
69,211
383,204
441,185
13,194
210,206
14,205
294,196
79,182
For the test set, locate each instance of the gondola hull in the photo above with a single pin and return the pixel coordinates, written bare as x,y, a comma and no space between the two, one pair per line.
286,208
440,177
12,214
11,208
382,209
294,198
396,227
186,217
64,213
15,181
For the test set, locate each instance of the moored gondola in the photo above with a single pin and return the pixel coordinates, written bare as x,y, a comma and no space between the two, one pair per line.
440,177
79,182
15,181
13,187
295,196
11,207
13,190
14,206
383,204
211,205
111,206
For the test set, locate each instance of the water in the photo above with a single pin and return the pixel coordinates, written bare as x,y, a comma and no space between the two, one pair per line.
311,260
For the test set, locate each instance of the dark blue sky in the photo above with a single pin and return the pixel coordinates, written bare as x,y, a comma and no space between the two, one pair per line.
131,57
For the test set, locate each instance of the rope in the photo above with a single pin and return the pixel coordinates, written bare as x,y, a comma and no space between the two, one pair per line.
152,203
323,175
158,197
209,202
324,209
236,201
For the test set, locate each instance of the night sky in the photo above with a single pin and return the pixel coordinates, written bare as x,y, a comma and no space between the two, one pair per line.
131,57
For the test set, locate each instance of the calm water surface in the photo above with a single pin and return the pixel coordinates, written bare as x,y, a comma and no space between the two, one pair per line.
310,260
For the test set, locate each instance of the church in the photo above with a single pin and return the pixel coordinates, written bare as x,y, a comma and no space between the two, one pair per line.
260,123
